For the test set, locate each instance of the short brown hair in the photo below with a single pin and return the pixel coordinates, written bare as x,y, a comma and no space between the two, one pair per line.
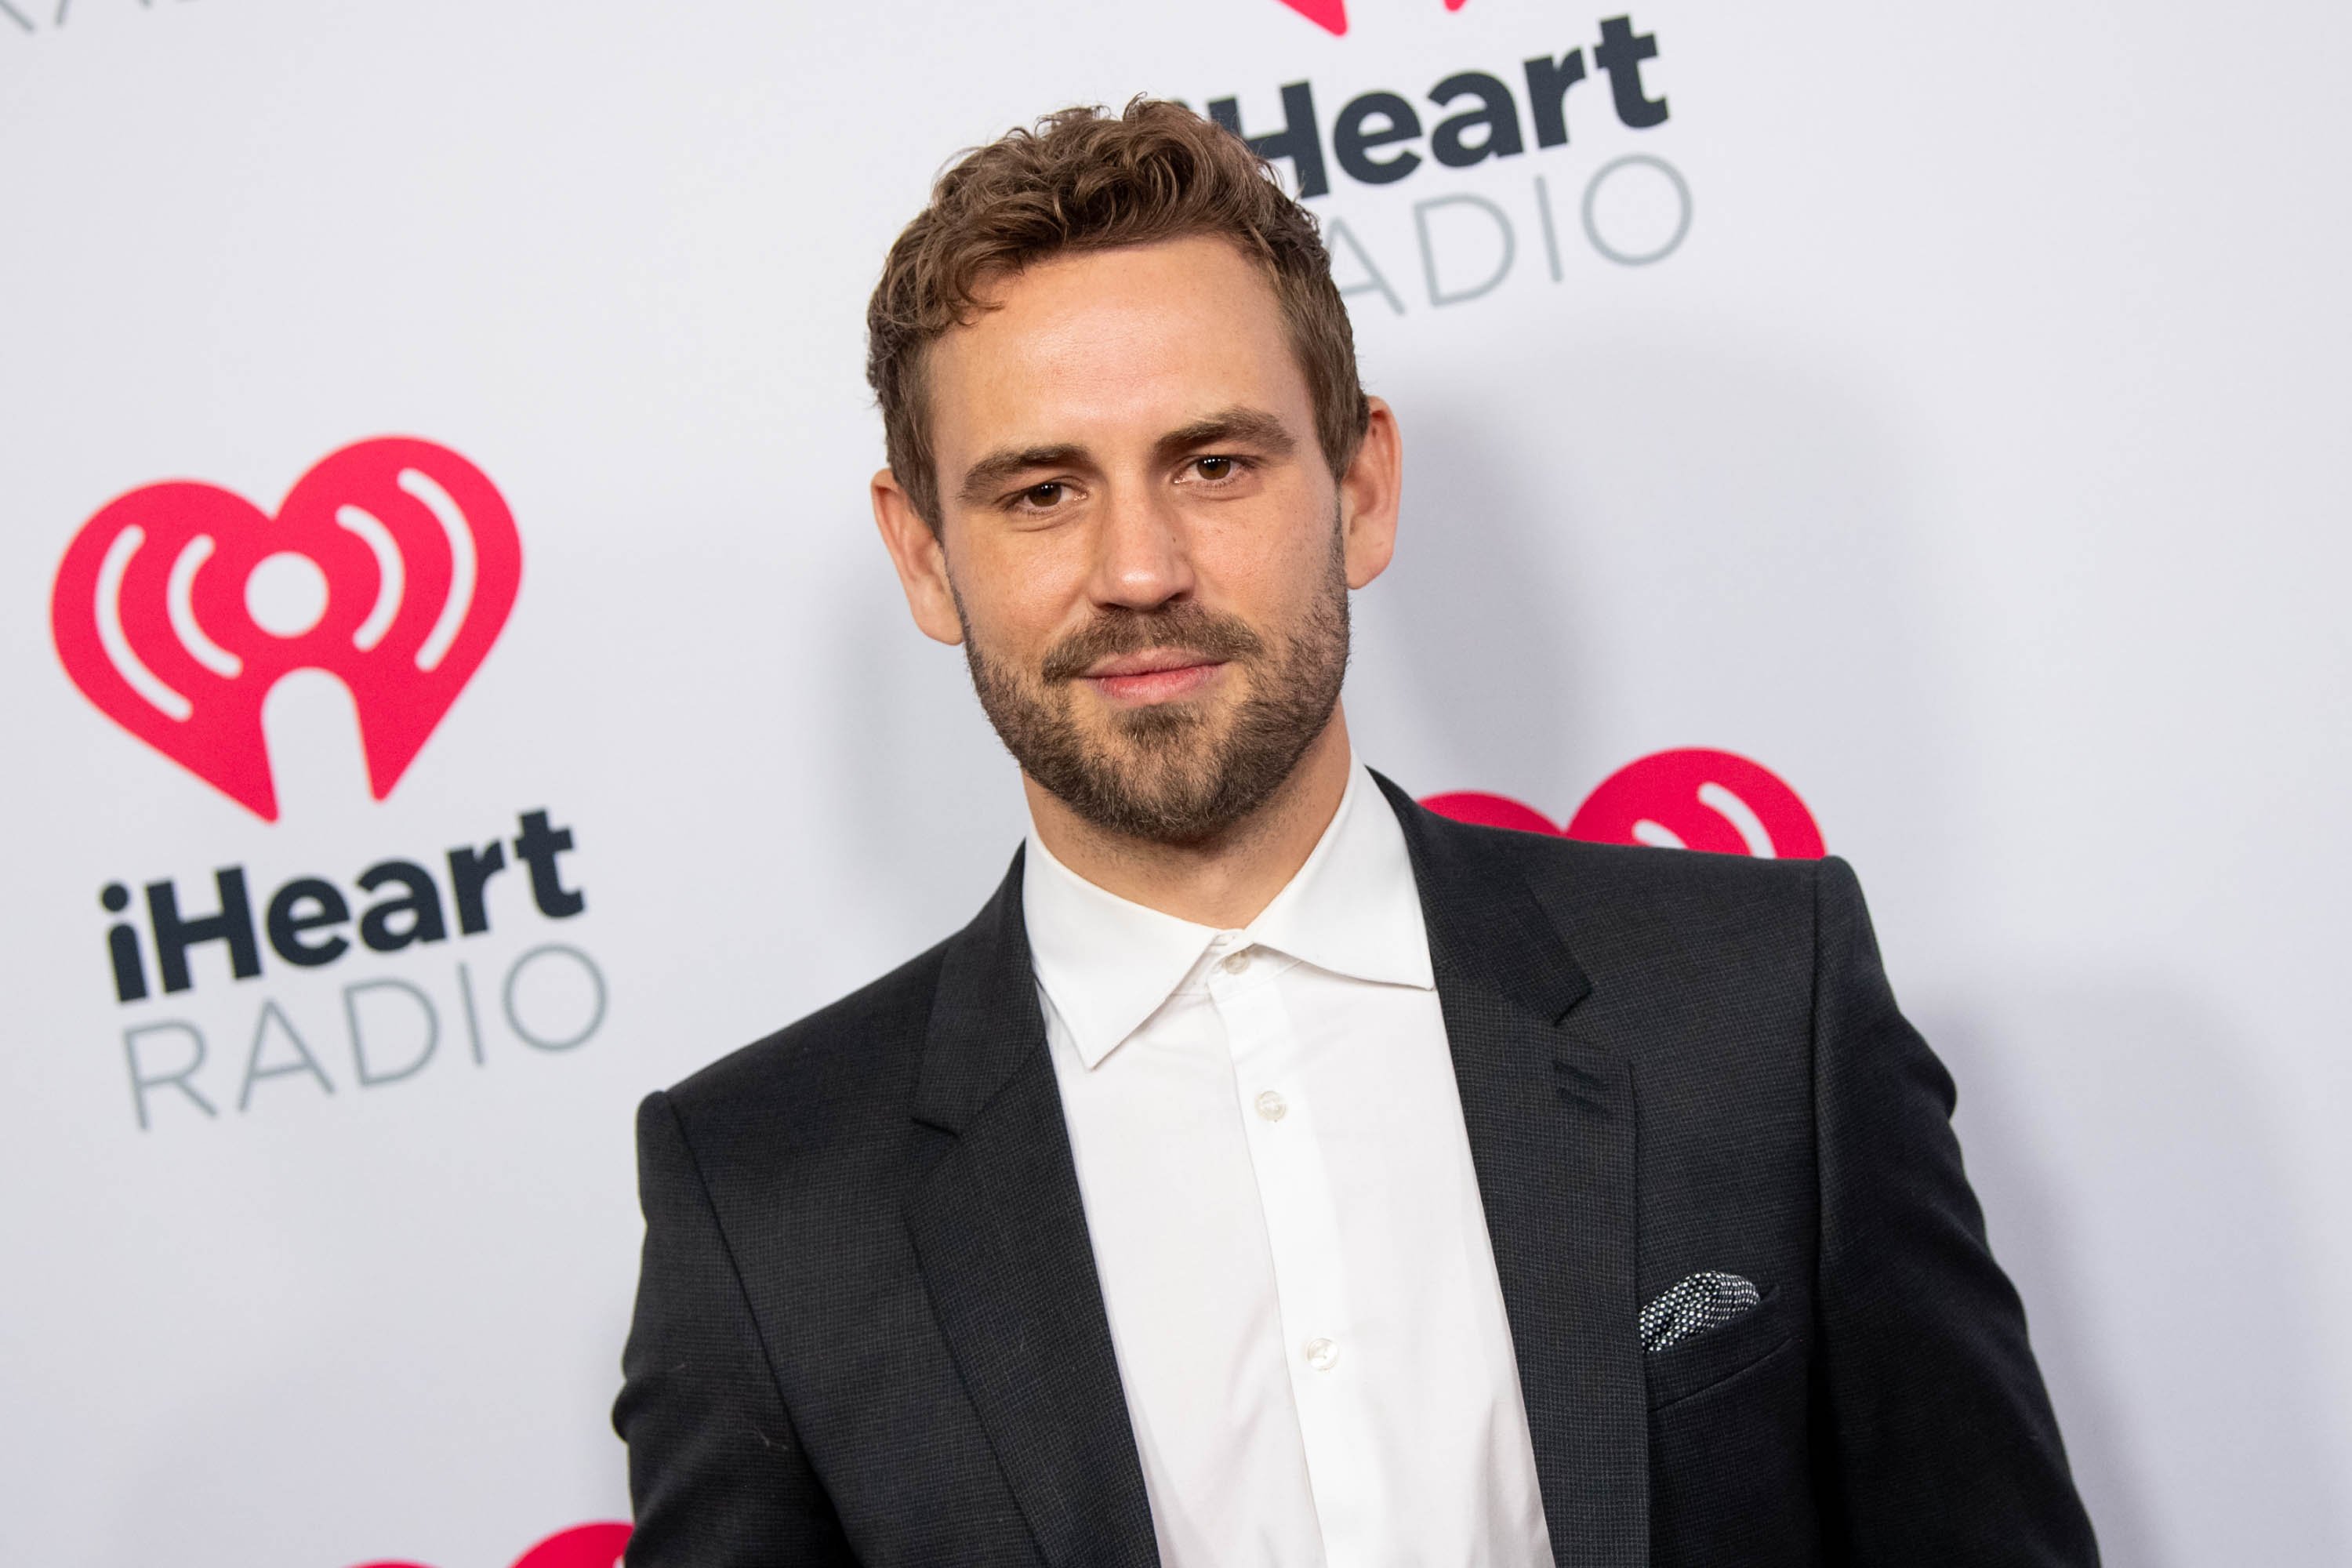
1087,180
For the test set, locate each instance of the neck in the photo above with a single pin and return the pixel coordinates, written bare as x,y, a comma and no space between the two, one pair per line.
1223,882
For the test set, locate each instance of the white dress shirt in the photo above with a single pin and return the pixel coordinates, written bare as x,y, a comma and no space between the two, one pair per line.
1284,1217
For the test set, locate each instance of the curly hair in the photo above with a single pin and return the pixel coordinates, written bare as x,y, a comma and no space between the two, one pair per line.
1085,179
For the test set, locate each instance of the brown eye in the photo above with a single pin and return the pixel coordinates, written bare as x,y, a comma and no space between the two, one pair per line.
1044,495
1214,467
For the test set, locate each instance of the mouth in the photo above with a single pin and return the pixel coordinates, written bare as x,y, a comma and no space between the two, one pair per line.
1155,675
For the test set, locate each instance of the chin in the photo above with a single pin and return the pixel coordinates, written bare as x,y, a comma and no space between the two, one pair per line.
1141,737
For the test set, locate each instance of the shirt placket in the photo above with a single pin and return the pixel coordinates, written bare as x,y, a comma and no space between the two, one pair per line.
1296,1192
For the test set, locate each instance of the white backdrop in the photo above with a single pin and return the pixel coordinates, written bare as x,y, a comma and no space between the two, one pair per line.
1977,462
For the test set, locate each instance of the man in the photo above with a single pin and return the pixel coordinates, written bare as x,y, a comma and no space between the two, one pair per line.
1274,1173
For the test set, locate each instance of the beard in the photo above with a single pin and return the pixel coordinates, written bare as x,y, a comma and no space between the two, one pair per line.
1181,771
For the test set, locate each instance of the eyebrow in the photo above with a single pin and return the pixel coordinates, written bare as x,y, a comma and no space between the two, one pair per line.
1235,426
982,481
1228,427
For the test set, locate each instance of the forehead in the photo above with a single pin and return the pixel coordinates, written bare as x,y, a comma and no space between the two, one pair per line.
1094,345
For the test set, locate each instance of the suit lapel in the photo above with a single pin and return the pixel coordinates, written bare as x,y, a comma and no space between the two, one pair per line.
1000,1234
1550,1119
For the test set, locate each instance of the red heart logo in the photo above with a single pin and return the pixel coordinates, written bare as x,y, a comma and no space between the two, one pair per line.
391,566
1331,16
1690,798
582,1546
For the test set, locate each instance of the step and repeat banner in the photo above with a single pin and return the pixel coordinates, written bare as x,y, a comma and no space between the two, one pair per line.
452,686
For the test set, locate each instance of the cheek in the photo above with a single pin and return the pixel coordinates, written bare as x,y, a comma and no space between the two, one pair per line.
1019,590
1272,572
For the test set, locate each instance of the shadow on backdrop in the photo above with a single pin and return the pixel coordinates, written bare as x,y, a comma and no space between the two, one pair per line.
2124,1164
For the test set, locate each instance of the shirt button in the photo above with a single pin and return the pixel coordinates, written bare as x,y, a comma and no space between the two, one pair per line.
1235,963
1271,1106
1322,1354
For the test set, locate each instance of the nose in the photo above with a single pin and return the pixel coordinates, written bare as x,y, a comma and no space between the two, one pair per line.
1142,558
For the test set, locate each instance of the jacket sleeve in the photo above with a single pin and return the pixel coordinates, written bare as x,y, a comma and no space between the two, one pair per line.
1940,1446
717,1475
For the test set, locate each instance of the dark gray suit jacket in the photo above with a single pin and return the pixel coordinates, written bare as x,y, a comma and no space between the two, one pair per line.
868,1327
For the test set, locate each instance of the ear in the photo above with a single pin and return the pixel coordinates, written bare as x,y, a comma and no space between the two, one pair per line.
922,562
1369,492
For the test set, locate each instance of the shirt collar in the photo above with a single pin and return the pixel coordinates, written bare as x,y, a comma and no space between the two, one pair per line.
1106,964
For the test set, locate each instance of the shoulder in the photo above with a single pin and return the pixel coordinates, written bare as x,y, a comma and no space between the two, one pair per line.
1631,880
844,1069
1672,922
1596,888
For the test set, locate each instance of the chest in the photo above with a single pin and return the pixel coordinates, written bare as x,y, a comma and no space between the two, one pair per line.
1294,1264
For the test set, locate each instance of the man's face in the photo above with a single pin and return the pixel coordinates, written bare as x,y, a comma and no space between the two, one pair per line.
1143,552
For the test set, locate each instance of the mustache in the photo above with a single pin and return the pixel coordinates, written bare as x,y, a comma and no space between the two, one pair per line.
1177,625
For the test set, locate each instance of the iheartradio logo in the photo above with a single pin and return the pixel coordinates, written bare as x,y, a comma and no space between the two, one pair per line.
1685,799
391,565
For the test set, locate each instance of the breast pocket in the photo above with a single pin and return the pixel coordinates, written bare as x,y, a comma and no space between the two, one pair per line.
1729,1467
1698,1363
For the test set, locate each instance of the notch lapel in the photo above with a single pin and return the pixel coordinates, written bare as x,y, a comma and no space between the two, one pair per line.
1551,1124
1000,1234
